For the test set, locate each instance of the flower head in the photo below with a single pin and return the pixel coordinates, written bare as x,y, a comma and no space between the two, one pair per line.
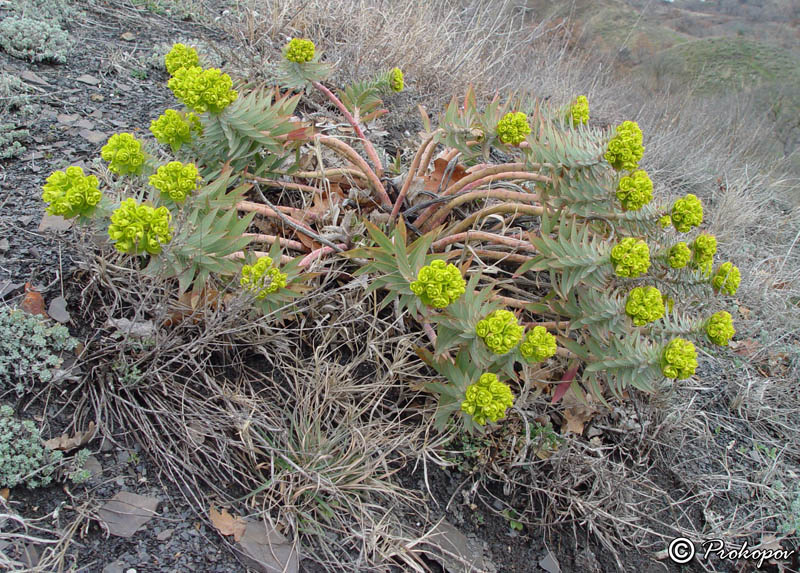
687,213
630,257
174,128
396,80
635,190
625,149
180,56
513,128
579,112
665,222
679,255
139,228
538,345
124,154
500,331
439,284
678,359
703,249
262,278
726,279
299,50
71,193
644,304
719,328
487,399
175,180
203,90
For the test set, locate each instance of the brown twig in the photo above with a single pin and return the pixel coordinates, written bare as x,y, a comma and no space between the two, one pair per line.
482,236
503,194
411,176
317,254
287,243
515,208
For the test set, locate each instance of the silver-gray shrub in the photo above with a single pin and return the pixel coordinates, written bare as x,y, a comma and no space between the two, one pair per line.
23,458
28,348
34,40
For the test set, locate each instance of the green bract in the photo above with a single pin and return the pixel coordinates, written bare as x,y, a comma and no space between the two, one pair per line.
579,112
71,193
679,359
726,279
635,191
299,50
203,90
665,221
180,56
703,249
679,255
124,154
538,345
644,304
719,328
438,284
513,128
175,180
625,149
687,213
396,80
500,331
487,399
174,128
630,257
262,278
139,228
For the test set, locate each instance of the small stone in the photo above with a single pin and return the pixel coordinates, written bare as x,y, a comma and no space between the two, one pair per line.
128,37
87,79
164,535
97,97
93,136
33,78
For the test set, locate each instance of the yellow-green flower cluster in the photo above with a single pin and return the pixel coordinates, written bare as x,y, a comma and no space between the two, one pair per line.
203,90
726,279
124,154
665,222
487,399
175,180
396,80
678,359
439,284
538,345
703,249
635,190
625,149
719,328
180,56
174,129
299,50
500,331
644,304
630,257
579,112
139,228
262,278
687,213
513,128
679,255
71,193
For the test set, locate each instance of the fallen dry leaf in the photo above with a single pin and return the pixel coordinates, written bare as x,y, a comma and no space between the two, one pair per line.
576,413
33,303
746,347
437,177
58,310
67,443
4,493
266,550
226,524
127,512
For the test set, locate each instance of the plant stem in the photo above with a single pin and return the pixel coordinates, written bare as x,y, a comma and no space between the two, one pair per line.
514,208
319,253
503,194
285,259
287,243
411,176
281,212
371,153
482,236
501,256
550,324
350,153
